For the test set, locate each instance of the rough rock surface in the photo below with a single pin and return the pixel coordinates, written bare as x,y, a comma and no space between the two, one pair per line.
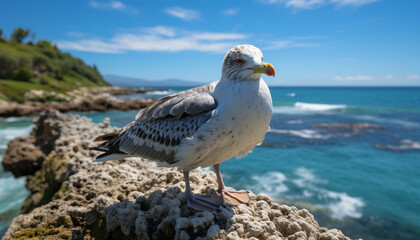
98,99
134,199
23,157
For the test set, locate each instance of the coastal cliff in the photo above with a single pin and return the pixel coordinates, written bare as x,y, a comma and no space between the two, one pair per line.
75,198
99,99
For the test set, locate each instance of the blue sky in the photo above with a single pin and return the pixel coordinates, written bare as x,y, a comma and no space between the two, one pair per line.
309,42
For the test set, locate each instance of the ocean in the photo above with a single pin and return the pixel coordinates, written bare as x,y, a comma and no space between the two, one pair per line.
349,155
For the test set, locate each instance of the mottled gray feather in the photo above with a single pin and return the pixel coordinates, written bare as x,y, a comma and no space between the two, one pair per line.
160,128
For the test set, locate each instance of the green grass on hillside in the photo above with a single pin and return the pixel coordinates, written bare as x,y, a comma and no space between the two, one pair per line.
14,90
43,66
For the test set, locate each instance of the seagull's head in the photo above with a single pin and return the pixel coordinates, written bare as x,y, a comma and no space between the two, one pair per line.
244,62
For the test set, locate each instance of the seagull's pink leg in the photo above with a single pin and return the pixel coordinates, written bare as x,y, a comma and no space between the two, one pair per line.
232,193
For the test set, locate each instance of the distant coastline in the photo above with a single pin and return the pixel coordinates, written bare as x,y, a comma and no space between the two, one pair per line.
100,99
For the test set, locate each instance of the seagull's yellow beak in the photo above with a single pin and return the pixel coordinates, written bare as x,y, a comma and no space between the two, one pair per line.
265,68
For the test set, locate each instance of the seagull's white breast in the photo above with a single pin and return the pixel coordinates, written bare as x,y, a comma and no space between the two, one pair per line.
247,113
238,124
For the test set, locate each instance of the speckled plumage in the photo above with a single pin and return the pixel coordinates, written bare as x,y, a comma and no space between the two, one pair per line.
202,126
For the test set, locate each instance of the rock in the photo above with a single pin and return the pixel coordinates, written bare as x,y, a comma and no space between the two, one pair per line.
134,199
23,157
99,99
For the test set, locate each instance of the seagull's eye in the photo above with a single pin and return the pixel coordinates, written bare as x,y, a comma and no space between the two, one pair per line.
239,60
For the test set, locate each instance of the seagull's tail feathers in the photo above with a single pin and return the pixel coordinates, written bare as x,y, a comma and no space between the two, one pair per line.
106,137
108,156
110,148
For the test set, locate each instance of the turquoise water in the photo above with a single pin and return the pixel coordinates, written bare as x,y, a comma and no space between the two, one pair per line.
362,181
12,191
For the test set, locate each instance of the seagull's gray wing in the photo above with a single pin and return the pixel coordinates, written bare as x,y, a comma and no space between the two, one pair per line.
160,128
191,102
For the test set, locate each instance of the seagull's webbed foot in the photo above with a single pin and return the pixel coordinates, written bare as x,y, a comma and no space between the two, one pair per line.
230,195
234,197
201,202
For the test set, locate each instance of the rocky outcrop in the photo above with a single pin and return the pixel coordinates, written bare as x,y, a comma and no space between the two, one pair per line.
73,197
23,157
99,99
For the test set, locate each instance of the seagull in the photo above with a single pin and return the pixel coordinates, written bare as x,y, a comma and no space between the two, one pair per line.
202,126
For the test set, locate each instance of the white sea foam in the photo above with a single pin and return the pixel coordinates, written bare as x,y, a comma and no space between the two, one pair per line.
288,110
306,193
7,184
303,133
306,108
405,144
291,94
298,121
305,177
15,119
159,92
318,106
12,192
310,186
271,183
343,205
10,133
409,144
404,123
3,146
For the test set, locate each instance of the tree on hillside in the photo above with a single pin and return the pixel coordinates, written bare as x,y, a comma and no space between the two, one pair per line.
1,38
19,34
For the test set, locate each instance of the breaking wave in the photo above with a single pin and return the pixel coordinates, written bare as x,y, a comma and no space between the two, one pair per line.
159,92
9,133
304,185
15,119
340,204
303,133
405,144
378,119
298,121
271,182
306,108
318,106
12,192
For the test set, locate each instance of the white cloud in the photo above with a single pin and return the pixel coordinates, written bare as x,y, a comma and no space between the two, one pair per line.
293,42
310,4
158,38
90,45
412,77
112,5
354,78
182,13
363,78
107,5
388,77
303,4
230,11
75,34
161,30
353,2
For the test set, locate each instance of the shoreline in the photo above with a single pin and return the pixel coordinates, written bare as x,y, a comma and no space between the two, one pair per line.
132,198
98,99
